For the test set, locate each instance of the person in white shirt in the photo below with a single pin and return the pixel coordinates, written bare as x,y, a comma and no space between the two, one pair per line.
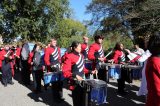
143,58
143,87
138,72
138,50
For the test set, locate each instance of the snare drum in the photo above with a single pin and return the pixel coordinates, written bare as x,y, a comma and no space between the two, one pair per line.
114,70
98,93
50,77
127,72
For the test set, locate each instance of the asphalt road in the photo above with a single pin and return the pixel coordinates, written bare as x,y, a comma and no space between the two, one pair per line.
19,95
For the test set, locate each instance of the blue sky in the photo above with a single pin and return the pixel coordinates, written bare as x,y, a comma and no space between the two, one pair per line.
79,7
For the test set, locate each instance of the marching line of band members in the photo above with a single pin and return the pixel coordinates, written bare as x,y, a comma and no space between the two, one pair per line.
72,65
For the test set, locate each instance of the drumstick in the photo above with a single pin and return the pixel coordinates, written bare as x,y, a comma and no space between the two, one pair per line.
7,54
96,74
108,54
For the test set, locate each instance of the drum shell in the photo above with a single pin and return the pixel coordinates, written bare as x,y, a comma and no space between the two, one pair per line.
115,72
52,77
98,92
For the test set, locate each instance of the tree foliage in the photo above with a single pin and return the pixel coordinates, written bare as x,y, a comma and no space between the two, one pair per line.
31,19
139,18
69,27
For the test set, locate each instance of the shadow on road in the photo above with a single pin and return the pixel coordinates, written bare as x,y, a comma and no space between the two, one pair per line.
130,99
46,97
113,98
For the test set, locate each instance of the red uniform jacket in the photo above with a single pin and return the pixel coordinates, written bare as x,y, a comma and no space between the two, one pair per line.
118,57
12,61
95,52
30,59
72,66
71,60
153,81
2,53
12,54
48,54
18,52
52,56
64,57
2,57
84,49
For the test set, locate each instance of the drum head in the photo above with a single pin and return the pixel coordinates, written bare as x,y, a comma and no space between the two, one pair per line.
96,83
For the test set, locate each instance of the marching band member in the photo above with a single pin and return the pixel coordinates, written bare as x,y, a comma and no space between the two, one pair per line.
6,66
119,58
30,64
30,57
37,68
52,59
25,73
13,62
96,55
85,47
84,51
73,67
2,53
17,58
63,58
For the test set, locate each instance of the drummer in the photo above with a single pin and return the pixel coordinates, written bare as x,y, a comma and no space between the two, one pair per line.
85,47
119,58
73,68
96,55
84,51
52,59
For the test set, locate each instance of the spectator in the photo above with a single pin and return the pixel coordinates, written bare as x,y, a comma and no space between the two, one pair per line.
153,72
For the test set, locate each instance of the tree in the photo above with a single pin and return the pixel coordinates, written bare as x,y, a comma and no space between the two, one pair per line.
139,18
31,19
68,28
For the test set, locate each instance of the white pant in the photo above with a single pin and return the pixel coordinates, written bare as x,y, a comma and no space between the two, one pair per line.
143,88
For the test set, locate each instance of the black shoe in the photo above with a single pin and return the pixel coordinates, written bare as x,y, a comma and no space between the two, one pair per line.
27,84
62,99
122,92
11,83
37,91
45,88
5,85
59,100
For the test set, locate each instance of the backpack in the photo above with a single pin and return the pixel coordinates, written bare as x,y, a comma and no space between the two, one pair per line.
31,46
26,49
25,52
36,61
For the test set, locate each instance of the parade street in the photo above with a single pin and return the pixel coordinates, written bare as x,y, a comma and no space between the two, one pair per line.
19,95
